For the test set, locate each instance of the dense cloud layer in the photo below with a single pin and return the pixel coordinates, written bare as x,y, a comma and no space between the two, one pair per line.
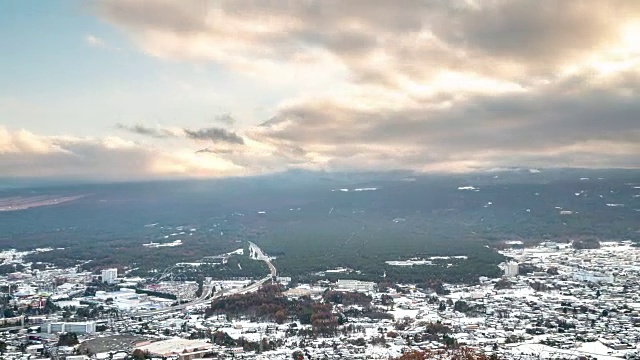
25,154
424,85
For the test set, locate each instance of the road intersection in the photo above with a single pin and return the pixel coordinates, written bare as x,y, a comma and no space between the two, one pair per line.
208,294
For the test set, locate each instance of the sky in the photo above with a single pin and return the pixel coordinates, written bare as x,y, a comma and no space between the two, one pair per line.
138,89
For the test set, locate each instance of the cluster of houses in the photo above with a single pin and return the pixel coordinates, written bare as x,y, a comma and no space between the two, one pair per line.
553,302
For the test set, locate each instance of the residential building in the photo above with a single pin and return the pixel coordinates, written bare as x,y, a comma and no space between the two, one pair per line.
110,276
511,269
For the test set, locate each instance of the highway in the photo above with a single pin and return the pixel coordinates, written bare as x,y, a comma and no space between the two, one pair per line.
207,293
261,256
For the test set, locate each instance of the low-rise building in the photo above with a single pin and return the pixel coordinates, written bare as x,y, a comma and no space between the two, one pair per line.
87,327
355,285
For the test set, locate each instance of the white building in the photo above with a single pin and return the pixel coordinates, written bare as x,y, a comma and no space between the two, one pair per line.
88,327
355,285
511,269
109,276
593,277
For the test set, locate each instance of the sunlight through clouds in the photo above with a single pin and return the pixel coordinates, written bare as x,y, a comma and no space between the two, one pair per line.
361,85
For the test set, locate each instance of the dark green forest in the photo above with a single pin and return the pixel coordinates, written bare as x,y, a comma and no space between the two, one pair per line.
309,225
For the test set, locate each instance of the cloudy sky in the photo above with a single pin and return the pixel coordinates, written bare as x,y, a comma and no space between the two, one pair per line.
134,89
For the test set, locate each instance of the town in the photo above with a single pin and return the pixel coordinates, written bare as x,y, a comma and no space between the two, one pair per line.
320,179
555,300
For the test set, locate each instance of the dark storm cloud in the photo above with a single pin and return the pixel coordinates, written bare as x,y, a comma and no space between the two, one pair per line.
215,135
145,131
225,119
518,121
507,125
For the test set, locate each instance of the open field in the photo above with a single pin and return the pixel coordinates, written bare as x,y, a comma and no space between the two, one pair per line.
22,203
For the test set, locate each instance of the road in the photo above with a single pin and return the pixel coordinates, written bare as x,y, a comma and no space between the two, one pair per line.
261,256
207,292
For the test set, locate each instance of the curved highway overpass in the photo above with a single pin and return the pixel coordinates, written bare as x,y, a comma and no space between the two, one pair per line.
207,293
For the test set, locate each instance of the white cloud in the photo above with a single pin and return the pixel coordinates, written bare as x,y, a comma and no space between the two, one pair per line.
110,158
94,40
98,42
407,84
